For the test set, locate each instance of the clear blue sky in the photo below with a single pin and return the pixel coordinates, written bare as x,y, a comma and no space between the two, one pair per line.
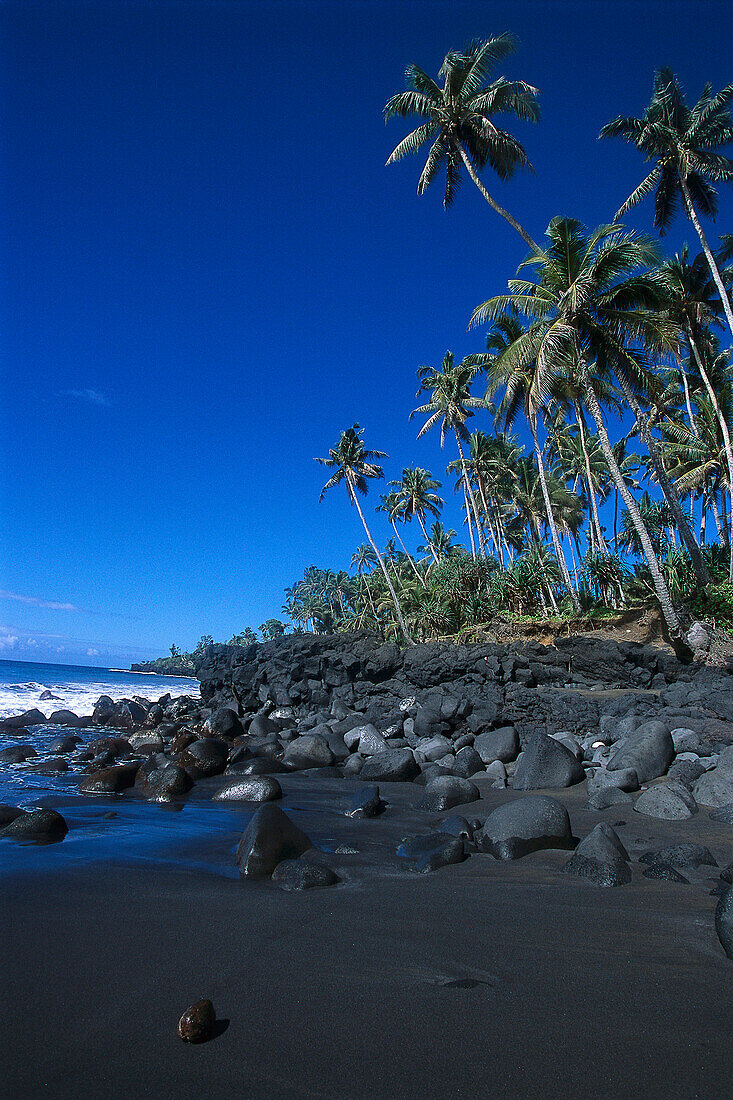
207,272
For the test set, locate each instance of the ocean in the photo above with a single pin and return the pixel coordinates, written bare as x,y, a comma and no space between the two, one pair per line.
24,685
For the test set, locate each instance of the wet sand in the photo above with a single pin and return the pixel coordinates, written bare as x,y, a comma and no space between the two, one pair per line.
485,978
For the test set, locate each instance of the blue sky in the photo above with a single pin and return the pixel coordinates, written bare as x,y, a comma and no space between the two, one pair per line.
207,272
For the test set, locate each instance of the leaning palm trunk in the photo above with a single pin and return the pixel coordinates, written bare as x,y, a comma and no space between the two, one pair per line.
393,594
723,428
428,543
716,514
495,206
714,270
601,542
551,519
404,548
660,587
671,495
469,490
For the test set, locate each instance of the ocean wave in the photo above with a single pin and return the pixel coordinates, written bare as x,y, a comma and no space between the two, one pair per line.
80,698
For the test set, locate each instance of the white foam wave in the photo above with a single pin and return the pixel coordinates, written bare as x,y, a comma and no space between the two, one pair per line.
80,698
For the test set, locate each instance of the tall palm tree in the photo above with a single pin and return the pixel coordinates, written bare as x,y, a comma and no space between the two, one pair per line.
450,403
589,309
524,389
682,141
353,464
459,120
416,490
393,505
440,543
362,557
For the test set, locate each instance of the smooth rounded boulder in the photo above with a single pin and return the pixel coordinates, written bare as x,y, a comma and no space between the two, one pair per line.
28,718
301,874
269,838
525,825
601,858
204,758
16,754
546,764
252,788
431,852
41,825
112,780
307,752
649,750
669,801
63,718
392,766
500,744
162,782
447,791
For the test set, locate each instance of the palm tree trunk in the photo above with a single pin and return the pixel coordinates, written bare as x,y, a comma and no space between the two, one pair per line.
427,540
671,495
369,597
703,517
589,478
723,428
467,506
716,514
660,587
714,270
551,519
414,567
495,206
688,404
724,516
469,490
393,594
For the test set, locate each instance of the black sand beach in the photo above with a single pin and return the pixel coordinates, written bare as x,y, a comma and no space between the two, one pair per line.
488,977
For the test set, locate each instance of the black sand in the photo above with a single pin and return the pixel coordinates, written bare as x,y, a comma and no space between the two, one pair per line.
482,979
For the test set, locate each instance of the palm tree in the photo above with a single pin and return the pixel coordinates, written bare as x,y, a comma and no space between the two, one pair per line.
525,389
362,557
439,543
458,120
450,403
629,465
416,491
352,463
589,311
393,505
682,141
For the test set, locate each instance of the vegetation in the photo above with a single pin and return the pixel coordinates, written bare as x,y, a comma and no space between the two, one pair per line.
613,357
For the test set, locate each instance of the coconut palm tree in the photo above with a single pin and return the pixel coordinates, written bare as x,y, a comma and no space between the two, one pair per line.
363,557
450,403
589,310
353,464
416,490
440,543
393,505
682,141
459,120
524,390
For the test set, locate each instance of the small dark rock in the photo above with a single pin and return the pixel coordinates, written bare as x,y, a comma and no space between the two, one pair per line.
366,803
36,825
197,1024
253,788
665,872
302,874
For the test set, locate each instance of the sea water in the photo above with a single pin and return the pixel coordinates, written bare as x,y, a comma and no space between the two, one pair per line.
24,686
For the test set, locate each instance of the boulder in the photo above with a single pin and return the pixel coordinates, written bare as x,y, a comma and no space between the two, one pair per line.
601,858
109,780
63,718
23,721
670,801
371,741
609,796
64,744
500,744
467,762
447,791
269,838
260,765
431,852
307,752
457,826
392,766
225,723
435,748
601,778
649,750
40,825
253,788
545,765
163,782
681,855
724,814
525,825
665,872
16,754
52,766
714,788
9,813
203,758
353,735
302,874
365,803
104,711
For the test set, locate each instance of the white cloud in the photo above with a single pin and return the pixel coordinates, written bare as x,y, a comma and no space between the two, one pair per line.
36,601
93,397
92,653
32,643
8,641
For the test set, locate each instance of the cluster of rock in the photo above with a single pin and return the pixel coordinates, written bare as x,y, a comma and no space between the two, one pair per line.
625,718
